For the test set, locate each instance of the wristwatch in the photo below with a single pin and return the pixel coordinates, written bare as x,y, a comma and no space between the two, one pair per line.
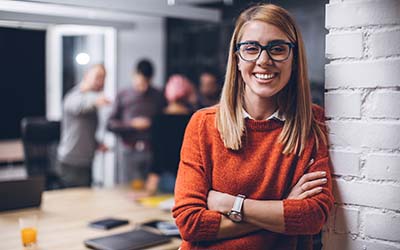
236,212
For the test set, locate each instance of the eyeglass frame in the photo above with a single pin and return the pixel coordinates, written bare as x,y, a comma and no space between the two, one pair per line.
266,48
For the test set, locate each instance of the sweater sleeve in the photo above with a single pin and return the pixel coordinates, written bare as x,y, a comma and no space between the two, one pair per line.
194,220
308,216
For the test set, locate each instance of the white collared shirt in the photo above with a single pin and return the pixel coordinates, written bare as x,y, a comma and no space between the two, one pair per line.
275,115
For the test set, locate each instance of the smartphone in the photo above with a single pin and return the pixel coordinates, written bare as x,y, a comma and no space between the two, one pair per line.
108,223
168,228
165,227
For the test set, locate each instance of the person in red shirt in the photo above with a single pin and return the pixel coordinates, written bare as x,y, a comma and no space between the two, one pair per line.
255,170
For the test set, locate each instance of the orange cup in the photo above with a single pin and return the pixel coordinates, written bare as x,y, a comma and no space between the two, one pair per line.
28,236
28,229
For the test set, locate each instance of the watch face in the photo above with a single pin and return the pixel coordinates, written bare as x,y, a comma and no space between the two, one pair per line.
235,216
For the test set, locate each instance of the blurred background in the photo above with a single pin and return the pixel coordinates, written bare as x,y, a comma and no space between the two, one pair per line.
46,46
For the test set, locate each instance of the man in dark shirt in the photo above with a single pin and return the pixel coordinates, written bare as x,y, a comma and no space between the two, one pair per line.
131,120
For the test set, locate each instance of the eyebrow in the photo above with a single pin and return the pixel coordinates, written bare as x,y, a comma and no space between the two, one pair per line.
276,41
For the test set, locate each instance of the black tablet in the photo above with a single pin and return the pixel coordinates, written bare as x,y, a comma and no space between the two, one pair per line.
132,240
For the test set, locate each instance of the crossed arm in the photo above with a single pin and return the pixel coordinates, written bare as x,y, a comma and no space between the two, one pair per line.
255,217
303,211
200,213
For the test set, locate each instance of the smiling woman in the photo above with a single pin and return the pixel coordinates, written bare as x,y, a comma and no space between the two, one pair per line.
254,170
263,75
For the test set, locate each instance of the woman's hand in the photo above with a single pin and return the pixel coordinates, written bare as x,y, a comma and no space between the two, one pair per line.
309,185
220,202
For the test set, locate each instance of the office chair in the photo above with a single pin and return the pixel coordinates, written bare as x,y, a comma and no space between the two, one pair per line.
40,139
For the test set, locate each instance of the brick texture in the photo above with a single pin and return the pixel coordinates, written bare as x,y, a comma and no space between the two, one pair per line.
362,104
362,13
384,226
367,194
363,74
383,167
344,45
343,104
383,104
385,43
345,162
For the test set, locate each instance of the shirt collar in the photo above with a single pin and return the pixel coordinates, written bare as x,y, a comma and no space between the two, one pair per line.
275,115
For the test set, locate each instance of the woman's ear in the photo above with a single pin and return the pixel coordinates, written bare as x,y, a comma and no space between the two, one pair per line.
238,65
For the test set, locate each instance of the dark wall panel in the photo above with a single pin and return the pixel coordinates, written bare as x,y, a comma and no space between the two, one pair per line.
22,78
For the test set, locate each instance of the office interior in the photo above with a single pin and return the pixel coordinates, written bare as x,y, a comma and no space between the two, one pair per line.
47,45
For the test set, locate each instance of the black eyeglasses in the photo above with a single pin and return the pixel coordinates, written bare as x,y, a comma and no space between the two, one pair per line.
278,51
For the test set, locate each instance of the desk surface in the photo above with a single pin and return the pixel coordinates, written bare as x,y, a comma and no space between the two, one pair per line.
64,215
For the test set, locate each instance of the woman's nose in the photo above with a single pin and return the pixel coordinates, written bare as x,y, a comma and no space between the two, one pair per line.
264,58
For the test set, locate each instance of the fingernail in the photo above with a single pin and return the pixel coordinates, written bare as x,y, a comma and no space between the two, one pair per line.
324,180
323,173
319,189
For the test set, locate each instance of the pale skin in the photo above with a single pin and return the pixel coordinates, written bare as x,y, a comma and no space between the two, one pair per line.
94,81
260,102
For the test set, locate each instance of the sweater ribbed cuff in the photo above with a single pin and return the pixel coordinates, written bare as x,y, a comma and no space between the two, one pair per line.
293,213
209,225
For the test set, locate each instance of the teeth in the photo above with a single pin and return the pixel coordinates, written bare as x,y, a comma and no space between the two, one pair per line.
264,76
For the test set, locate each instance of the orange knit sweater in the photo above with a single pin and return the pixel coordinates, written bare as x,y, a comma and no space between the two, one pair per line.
260,171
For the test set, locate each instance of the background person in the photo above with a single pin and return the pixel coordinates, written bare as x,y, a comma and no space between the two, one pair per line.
209,89
78,128
167,136
131,120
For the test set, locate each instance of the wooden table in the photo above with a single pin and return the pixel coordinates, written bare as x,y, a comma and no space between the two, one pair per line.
64,216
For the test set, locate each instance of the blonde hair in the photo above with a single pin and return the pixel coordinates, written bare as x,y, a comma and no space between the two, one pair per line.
294,100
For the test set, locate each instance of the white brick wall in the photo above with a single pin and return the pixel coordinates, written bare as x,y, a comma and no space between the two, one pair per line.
382,226
362,104
383,167
349,44
343,104
363,74
346,220
366,193
362,13
354,242
345,162
365,134
383,104
385,43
